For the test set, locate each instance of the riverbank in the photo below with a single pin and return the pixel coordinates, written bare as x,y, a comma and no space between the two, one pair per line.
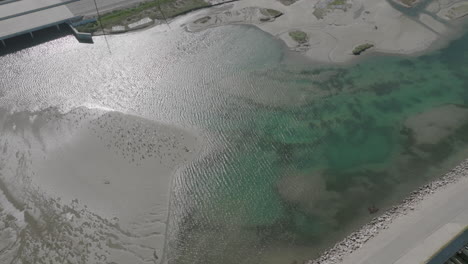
140,15
144,15
430,207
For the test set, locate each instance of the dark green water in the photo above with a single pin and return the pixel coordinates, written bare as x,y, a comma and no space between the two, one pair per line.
297,176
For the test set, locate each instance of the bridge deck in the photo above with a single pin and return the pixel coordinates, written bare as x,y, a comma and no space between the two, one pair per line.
26,16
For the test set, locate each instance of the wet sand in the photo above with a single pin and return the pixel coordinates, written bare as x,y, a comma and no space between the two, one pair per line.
104,172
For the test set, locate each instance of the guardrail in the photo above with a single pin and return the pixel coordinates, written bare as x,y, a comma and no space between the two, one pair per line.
81,36
38,9
83,22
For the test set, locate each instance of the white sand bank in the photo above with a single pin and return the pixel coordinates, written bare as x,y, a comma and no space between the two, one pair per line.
336,30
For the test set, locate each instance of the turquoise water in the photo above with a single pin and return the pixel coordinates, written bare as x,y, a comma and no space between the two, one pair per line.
296,175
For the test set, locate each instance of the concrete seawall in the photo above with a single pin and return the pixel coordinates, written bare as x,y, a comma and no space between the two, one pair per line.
80,36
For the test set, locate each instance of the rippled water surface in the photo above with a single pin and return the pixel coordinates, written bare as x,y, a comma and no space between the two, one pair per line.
293,154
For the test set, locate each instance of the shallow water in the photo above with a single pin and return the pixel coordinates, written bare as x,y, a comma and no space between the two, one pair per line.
293,154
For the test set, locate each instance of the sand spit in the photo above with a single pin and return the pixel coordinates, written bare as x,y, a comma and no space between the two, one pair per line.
343,251
87,186
253,15
335,28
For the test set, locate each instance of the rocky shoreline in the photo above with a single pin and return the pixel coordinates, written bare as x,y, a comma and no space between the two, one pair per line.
358,238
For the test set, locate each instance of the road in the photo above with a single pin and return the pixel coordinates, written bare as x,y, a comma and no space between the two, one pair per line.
87,7
27,16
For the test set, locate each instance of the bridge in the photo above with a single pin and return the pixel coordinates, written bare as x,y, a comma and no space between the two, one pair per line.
18,17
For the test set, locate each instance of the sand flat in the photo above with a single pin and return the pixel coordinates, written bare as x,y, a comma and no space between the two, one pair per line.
115,166
106,174
334,34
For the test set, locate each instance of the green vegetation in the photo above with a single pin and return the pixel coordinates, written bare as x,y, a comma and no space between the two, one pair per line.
90,27
320,13
202,20
337,3
361,48
287,2
408,2
271,12
151,9
299,36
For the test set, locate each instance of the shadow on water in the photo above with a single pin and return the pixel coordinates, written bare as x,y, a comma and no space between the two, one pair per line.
42,36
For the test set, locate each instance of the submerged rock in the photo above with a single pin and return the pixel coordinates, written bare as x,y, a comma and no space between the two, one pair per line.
372,209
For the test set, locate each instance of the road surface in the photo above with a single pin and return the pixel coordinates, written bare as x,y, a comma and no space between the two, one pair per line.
87,7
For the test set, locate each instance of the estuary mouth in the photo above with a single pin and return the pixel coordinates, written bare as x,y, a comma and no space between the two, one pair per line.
214,146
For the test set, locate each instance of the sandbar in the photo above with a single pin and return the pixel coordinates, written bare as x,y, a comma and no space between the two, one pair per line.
334,30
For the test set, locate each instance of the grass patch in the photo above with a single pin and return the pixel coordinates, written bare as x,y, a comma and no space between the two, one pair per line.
299,36
288,2
408,2
361,48
337,3
202,20
319,13
90,27
151,9
271,12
